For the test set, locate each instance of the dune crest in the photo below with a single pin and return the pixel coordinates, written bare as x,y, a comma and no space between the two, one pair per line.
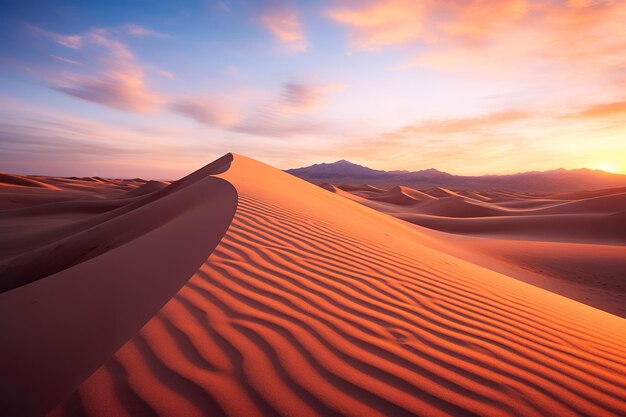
313,305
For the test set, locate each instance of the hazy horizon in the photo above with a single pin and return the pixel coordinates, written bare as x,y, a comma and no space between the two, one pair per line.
158,90
86,174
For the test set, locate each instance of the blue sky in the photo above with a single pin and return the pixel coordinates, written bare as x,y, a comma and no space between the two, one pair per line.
157,89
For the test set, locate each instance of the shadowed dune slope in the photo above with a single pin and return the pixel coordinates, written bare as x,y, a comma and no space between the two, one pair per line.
19,180
582,228
400,195
313,305
362,187
59,329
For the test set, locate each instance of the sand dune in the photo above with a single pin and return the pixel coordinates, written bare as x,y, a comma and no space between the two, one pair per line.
362,187
439,192
590,193
60,328
460,207
401,196
313,305
581,228
396,195
589,273
19,180
569,243
147,188
601,204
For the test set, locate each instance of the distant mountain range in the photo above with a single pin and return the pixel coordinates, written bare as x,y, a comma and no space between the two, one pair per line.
345,172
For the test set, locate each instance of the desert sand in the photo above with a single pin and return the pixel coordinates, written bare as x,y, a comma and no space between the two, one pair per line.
245,291
571,243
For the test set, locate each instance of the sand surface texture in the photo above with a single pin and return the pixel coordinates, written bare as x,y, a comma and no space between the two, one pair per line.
314,305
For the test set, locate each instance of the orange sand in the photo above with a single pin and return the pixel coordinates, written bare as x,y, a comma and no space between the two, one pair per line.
314,305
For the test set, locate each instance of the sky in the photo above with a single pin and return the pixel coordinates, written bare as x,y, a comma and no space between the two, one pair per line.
158,89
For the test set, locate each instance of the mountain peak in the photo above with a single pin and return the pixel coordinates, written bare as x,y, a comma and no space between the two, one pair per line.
346,172
341,169
342,162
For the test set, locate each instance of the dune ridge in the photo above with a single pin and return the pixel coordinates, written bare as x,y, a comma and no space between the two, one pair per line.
22,181
302,311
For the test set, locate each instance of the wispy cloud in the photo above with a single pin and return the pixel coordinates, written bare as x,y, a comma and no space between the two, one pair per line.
35,140
383,22
204,111
123,90
603,110
283,22
137,30
494,142
461,145
64,59
460,125
301,97
110,75
289,112
581,38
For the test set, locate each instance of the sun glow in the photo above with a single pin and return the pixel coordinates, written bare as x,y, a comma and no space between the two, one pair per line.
606,166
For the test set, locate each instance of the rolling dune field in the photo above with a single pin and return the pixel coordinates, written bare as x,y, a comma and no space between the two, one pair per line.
312,305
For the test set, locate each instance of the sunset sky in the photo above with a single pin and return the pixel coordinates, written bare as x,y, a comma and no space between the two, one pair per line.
158,89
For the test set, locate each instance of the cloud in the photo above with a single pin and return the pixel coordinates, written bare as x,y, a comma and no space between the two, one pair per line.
204,111
603,110
57,141
582,39
306,98
36,140
455,144
477,20
137,30
283,22
123,90
64,59
434,136
497,142
71,41
110,73
382,23
460,125
287,113
279,128
460,145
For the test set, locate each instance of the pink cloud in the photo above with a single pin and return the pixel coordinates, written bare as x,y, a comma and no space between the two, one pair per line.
603,110
110,73
283,22
300,97
581,37
204,111
286,114
382,23
72,41
478,124
123,90
137,30
64,59
379,23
